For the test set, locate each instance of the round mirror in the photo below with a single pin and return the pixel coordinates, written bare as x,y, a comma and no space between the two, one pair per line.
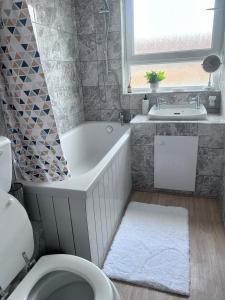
211,63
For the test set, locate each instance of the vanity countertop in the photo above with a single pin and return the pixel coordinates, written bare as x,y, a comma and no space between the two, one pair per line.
211,119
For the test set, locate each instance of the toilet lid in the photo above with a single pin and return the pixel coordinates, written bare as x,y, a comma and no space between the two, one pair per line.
16,237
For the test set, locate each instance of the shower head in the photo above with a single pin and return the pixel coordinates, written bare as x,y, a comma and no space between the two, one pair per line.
105,10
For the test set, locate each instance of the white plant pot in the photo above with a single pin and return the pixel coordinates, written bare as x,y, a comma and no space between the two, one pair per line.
154,87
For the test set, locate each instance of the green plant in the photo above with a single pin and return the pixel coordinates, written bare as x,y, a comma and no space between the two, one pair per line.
154,77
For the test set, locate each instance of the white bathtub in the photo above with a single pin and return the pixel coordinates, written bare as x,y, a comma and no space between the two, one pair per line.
81,214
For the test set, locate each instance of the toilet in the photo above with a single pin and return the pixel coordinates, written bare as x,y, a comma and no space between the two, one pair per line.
57,277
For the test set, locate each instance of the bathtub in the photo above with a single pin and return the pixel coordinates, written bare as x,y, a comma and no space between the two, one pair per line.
80,215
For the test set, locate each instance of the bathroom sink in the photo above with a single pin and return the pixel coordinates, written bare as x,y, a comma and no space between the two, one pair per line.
177,112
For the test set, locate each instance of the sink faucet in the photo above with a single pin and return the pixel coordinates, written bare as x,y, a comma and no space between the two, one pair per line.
196,99
160,101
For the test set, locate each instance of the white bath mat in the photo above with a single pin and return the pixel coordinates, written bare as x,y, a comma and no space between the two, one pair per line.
151,248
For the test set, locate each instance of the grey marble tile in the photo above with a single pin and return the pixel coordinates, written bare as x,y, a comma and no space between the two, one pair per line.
110,114
91,96
87,47
172,98
92,115
205,101
3,96
211,135
79,66
65,16
102,92
222,197
89,73
208,186
113,19
142,158
125,102
70,121
56,70
136,101
65,97
80,117
65,94
114,76
113,98
142,181
143,134
84,14
66,115
78,102
134,112
43,12
76,48
2,123
114,45
54,45
210,162
177,129
57,14
82,3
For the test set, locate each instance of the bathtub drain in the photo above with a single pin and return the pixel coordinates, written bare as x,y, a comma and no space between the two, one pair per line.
109,129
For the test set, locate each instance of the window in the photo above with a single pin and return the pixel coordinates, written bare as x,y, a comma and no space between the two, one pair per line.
173,36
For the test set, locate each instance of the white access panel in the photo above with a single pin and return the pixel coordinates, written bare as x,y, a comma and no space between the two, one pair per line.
175,160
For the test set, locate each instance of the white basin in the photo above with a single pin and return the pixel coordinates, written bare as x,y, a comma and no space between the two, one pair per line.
177,112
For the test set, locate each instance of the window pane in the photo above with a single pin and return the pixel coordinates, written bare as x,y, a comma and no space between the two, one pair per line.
177,74
172,25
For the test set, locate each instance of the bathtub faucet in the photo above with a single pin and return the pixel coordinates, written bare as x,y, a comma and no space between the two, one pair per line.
121,118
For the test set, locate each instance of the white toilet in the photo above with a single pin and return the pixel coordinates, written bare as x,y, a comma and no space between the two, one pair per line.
53,277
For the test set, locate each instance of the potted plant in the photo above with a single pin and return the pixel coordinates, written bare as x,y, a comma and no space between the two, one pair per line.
154,78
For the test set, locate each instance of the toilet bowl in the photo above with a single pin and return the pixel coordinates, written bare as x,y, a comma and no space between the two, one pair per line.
52,277
63,276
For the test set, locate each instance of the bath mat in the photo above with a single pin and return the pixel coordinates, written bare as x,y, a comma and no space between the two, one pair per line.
151,248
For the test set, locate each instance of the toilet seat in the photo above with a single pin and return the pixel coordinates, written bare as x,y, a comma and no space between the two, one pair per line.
62,262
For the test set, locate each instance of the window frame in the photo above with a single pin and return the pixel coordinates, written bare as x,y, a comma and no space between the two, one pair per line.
169,57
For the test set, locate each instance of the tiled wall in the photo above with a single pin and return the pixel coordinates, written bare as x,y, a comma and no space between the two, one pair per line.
176,98
2,122
222,78
210,153
222,87
222,195
55,31
103,98
101,93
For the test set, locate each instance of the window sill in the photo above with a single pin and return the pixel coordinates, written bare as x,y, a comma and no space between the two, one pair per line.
173,91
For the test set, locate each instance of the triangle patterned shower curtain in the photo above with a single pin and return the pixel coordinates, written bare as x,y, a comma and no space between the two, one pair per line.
26,104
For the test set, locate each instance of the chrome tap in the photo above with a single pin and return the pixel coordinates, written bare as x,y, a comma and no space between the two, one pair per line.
160,101
157,102
197,101
121,118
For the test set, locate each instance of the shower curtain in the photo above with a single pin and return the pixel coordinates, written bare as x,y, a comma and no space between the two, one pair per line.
26,103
